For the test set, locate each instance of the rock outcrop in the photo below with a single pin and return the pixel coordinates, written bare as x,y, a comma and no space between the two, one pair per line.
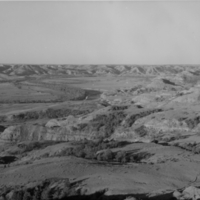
191,192
48,189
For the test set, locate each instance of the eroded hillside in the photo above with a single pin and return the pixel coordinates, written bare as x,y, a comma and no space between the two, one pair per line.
30,70
99,132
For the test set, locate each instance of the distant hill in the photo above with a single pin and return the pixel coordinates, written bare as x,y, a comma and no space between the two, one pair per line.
93,70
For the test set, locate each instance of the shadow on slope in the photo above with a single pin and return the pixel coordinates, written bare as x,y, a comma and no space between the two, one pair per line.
7,159
102,196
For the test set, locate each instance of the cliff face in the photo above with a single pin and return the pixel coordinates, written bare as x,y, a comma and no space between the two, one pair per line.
149,125
37,133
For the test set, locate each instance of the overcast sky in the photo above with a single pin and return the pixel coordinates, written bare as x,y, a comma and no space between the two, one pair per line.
100,32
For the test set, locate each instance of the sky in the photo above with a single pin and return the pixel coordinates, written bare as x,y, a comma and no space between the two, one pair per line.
109,32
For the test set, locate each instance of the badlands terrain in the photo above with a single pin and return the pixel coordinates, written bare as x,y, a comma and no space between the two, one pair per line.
99,132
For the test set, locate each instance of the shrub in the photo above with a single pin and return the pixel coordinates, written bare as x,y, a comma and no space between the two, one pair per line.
99,157
131,119
191,79
141,131
108,123
89,149
81,153
117,108
27,196
120,156
107,155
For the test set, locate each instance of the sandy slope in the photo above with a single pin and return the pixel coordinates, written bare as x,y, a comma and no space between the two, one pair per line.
169,168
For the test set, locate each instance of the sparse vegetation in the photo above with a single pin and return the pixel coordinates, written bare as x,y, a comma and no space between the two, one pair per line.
38,92
131,119
192,123
117,108
104,125
141,131
2,118
49,113
50,189
102,151
24,147
194,79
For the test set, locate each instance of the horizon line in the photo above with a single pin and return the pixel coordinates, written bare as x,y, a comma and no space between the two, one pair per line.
88,64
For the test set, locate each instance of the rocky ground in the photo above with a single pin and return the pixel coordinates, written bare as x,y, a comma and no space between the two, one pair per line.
134,135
